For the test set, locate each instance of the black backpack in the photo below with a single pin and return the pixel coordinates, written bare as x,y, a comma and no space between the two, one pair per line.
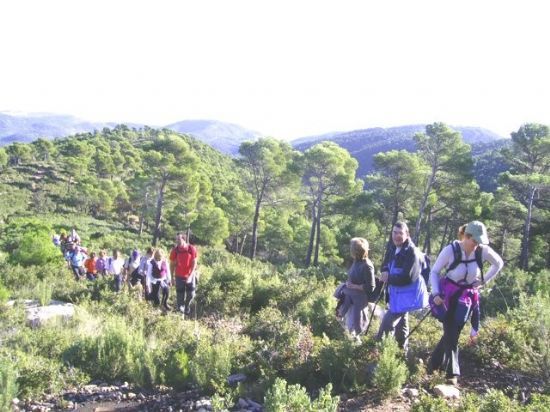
457,260
425,267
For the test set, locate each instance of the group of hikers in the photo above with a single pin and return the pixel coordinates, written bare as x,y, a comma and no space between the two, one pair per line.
455,279
152,273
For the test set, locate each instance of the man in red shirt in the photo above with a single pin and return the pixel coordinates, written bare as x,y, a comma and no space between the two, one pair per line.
183,262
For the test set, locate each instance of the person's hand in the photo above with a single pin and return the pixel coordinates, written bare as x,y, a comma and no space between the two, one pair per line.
438,300
477,284
384,277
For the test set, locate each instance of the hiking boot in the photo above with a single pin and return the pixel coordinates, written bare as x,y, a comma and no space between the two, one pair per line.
452,381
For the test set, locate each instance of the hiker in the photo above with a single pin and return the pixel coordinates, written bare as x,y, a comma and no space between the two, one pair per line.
131,266
183,263
140,275
158,277
74,237
455,290
101,264
56,239
75,259
359,287
90,265
115,267
401,270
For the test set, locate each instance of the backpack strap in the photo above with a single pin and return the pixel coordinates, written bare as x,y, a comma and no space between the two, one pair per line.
479,261
457,255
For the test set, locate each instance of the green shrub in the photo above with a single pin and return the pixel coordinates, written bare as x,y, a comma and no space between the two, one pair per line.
294,398
4,294
342,363
538,403
39,374
8,383
496,401
117,351
211,365
430,404
44,292
391,372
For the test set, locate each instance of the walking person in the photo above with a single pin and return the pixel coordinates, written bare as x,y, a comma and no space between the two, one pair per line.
90,265
101,264
359,287
183,263
75,259
115,267
456,289
158,278
140,277
401,270
131,266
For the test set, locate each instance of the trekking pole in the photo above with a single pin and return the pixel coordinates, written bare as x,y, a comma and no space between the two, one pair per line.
418,324
382,293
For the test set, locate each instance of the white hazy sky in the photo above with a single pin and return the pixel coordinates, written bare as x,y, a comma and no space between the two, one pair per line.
284,68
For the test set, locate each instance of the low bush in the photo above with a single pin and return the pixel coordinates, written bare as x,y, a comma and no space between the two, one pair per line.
294,398
8,383
391,372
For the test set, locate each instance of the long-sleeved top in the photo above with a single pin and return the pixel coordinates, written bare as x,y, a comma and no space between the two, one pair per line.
114,266
163,269
361,272
467,273
402,263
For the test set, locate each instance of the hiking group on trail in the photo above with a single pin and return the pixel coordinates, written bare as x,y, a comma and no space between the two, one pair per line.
152,273
405,276
455,280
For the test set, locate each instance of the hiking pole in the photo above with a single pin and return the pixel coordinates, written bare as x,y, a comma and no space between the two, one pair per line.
418,324
382,293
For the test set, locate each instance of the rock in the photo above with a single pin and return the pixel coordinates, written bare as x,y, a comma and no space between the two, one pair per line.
38,315
235,379
411,393
131,395
242,403
203,403
447,391
253,405
15,401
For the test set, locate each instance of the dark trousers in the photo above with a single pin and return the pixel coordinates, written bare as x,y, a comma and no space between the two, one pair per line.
118,282
156,291
185,292
445,355
396,324
78,272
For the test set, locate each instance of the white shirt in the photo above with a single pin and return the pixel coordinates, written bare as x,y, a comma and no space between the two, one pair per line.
114,266
150,279
464,272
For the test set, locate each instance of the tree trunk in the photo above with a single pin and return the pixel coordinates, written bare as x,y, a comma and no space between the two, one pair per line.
428,241
158,217
143,211
444,238
524,257
318,236
254,241
311,233
427,191
503,244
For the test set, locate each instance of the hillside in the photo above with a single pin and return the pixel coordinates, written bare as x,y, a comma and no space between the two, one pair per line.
364,144
26,128
226,137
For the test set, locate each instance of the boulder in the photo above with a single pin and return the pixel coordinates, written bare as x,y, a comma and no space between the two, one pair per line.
38,315
447,391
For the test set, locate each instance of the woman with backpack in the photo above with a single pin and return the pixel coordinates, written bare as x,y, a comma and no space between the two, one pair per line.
158,277
455,291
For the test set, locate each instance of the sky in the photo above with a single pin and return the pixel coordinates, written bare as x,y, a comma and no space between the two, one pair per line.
283,68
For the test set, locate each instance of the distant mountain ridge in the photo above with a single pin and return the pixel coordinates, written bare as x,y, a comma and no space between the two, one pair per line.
365,143
226,137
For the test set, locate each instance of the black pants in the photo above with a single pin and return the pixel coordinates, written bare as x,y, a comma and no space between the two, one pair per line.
185,292
156,291
445,355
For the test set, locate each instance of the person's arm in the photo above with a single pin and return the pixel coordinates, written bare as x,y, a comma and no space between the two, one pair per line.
149,277
173,258
168,275
368,276
495,260
442,261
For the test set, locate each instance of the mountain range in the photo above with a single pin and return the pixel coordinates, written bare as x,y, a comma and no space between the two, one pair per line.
227,137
